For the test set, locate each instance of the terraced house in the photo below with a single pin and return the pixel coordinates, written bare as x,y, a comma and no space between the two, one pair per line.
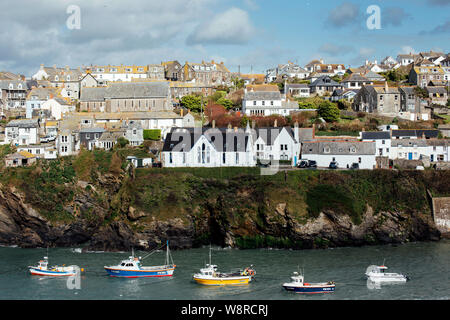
13,93
208,73
66,78
423,75
106,74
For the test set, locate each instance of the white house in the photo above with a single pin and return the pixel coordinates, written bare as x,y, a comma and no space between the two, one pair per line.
57,107
382,141
408,149
22,132
277,143
41,151
266,100
345,153
202,147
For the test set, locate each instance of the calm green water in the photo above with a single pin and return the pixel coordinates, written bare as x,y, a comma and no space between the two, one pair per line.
427,264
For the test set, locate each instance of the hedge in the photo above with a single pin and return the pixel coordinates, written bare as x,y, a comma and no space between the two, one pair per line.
153,134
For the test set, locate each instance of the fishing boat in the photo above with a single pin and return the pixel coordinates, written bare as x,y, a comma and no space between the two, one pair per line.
132,267
211,277
299,286
42,269
378,274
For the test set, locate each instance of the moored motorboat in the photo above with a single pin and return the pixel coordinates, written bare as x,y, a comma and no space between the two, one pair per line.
378,274
299,286
42,269
211,277
132,267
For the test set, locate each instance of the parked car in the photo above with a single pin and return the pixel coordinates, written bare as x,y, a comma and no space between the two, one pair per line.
157,165
333,165
354,166
312,164
303,164
420,168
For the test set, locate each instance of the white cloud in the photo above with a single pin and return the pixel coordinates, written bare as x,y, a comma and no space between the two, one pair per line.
230,27
408,50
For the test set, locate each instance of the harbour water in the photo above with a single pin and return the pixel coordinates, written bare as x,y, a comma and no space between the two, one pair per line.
427,265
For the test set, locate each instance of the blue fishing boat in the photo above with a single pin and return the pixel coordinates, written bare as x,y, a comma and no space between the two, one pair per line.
132,267
299,286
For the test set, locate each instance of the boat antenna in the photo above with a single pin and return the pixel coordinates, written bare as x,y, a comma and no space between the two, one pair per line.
209,253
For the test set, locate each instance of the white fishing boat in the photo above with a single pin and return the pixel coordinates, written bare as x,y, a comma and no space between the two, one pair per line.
378,274
42,269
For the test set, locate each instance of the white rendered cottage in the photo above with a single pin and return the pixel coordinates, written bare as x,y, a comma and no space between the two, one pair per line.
208,147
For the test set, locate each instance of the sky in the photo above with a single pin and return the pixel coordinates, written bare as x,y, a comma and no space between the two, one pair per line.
247,35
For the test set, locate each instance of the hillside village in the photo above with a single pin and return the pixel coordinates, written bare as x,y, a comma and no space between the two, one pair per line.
389,114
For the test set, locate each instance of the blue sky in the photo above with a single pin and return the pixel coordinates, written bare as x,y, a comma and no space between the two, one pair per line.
252,34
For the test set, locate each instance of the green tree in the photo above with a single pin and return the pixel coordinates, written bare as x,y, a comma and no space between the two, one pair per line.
227,103
328,111
238,83
122,142
192,102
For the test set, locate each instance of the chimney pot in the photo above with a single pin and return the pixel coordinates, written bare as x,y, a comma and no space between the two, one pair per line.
214,123
275,123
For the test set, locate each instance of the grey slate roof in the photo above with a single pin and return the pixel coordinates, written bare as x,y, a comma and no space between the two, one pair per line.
92,130
409,143
24,123
339,147
324,81
263,95
133,90
269,134
138,90
223,139
93,94
376,135
429,133
355,77
4,84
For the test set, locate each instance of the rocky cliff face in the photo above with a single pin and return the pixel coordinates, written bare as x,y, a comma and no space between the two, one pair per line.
214,220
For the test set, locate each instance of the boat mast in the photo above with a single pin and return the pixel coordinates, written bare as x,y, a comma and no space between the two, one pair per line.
167,254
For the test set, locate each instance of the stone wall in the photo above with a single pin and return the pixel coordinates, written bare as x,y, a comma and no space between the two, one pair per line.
441,214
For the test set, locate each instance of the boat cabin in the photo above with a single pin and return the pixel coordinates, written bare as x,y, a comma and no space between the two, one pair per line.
298,279
43,264
132,263
210,270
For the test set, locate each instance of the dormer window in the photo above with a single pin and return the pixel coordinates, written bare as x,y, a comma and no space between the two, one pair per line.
11,86
19,86
326,149
56,78
353,149
68,78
